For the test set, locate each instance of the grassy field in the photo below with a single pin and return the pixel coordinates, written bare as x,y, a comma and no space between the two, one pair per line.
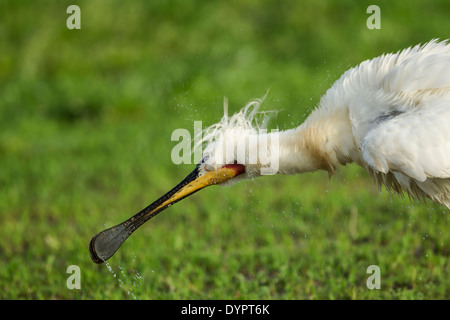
86,118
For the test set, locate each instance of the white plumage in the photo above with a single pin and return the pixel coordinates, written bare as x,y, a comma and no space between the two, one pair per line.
391,115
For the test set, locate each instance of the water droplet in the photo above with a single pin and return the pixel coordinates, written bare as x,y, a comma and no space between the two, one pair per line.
127,283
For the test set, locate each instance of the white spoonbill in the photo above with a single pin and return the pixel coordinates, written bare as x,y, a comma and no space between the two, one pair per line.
390,115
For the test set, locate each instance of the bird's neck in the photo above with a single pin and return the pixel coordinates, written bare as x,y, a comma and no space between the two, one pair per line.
322,142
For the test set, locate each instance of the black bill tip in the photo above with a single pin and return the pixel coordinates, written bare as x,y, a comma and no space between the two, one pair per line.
93,253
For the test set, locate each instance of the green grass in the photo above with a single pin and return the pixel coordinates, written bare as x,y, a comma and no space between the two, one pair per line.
86,118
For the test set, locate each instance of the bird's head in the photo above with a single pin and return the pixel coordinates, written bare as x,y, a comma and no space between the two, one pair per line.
228,151
237,143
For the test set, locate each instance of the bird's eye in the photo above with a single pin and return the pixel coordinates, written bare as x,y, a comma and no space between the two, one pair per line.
205,158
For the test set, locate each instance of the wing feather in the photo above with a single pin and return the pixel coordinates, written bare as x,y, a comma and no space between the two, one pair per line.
420,68
415,143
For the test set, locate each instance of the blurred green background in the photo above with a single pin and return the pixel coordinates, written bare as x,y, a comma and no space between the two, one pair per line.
86,118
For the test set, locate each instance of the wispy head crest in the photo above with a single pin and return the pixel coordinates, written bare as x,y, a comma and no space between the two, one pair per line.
248,120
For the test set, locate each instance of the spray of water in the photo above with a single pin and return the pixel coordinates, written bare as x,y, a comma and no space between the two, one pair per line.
127,281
